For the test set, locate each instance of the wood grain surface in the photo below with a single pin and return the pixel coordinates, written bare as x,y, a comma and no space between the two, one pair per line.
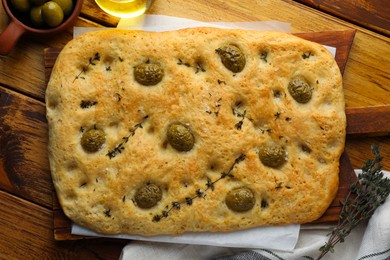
25,196
368,121
23,150
373,14
31,237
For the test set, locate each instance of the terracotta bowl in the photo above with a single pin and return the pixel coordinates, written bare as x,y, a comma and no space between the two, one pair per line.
17,27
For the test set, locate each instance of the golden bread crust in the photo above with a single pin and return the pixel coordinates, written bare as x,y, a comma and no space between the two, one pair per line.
97,189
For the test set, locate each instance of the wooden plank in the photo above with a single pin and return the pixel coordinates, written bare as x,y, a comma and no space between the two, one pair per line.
346,177
23,153
372,120
28,229
366,75
61,223
62,226
373,14
359,150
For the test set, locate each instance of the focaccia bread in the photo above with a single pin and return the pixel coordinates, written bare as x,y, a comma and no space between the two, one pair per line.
194,130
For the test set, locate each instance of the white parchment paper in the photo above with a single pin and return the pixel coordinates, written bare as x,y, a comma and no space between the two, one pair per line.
159,23
282,238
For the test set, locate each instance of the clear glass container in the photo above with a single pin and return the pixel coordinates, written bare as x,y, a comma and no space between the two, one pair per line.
125,8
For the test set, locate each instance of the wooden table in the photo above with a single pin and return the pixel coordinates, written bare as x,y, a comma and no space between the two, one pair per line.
26,215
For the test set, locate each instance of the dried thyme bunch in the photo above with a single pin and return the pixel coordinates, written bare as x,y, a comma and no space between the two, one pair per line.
365,196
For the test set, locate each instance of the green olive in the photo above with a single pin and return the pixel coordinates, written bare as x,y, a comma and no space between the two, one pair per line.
66,5
93,140
36,17
21,5
300,90
52,14
180,137
272,155
148,74
37,2
147,196
240,199
232,58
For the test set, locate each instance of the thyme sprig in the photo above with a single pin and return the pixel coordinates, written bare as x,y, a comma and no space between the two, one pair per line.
198,66
365,196
238,113
107,213
91,62
239,124
221,82
265,130
263,56
199,193
87,103
307,55
180,62
120,146
277,115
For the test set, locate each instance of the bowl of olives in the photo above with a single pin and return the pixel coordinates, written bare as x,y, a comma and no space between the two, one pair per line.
37,17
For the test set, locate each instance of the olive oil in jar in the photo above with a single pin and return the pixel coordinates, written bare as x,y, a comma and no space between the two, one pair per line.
125,8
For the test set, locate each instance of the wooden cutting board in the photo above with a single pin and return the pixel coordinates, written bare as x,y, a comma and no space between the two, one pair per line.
342,40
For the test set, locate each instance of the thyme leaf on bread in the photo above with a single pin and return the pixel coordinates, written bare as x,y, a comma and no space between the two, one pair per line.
277,115
263,56
180,62
365,196
87,103
221,82
265,130
238,113
199,68
107,213
199,193
218,105
239,124
307,55
92,60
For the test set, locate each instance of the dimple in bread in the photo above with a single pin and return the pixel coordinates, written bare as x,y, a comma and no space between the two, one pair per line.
194,130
